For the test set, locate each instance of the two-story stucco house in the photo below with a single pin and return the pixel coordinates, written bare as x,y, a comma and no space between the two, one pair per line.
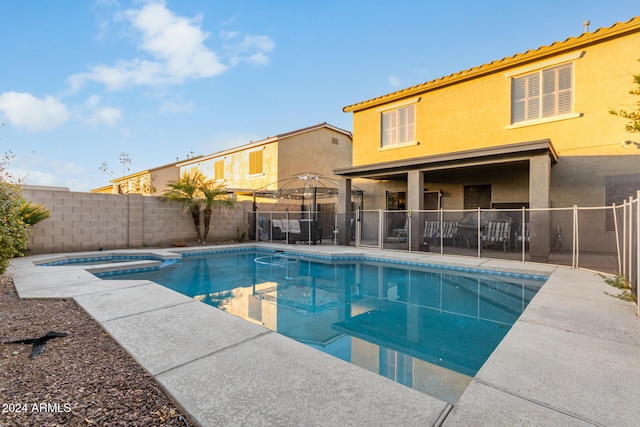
532,130
266,165
283,172
262,166
150,182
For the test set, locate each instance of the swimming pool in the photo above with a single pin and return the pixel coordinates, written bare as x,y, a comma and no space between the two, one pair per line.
427,327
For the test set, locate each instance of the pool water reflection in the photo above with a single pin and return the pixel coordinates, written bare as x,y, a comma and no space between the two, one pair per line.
427,328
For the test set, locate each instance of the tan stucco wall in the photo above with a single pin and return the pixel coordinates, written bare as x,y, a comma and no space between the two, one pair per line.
161,177
476,113
236,167
314,152
282,158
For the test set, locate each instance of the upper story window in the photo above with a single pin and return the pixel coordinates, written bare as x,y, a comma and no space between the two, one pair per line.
398,126
218,170
255,162
545,93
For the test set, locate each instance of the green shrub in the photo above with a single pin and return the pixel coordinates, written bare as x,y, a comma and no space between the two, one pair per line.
621,282
13,231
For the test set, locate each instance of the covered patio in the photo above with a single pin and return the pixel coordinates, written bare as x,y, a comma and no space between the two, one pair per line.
509,177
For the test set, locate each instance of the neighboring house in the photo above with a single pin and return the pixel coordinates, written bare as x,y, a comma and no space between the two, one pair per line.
288,172
151,182
531,130
272,165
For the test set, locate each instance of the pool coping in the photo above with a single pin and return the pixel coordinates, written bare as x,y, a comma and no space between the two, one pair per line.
567,360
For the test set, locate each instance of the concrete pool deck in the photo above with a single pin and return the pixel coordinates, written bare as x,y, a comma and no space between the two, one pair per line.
572,359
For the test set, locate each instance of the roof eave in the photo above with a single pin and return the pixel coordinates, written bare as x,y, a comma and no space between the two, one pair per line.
265,141
572,43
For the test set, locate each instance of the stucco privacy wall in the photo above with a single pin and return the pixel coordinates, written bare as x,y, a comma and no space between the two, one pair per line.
89,221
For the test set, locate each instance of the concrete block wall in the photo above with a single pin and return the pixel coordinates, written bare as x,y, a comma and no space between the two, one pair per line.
89,221
229,224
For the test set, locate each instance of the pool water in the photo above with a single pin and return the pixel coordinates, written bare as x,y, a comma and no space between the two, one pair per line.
425,327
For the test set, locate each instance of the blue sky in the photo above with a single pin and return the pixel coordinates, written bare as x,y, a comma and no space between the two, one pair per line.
82,82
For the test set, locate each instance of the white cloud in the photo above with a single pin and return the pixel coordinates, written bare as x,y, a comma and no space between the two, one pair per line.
25,111
247,48
174,46
169,107
107,116
125,73
394,81
172,50
29,172
45,171
34,177
258,59
98,115
177,41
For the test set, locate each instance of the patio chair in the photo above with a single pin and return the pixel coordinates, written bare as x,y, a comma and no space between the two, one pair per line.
277,231
263,233
496,232
450,231
431,231
400,234
282,227
308,231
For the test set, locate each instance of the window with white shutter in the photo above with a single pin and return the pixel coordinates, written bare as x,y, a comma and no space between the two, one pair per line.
398,126
532,100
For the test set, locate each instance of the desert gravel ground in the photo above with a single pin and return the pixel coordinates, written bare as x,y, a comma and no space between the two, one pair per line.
82,379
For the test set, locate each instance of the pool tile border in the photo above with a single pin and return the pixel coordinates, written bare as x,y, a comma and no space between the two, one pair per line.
115,270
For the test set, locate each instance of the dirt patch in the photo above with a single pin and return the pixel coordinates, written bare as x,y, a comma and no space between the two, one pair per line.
84,378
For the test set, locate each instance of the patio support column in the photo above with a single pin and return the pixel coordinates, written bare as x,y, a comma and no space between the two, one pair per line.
415,202
539,185
344,211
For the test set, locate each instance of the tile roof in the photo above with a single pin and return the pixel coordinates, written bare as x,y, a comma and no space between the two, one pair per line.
585,39
308,128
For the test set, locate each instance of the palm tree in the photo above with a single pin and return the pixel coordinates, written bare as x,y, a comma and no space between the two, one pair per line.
33,213
188,191
197,192
215,195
